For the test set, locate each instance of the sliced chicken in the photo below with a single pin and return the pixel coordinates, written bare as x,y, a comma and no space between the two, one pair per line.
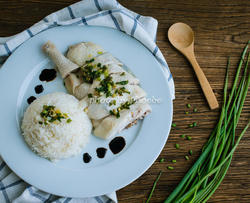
112,125
64,65
115,68
97,111
80,53
92,87
82,90
83,103
106,59
77,87
71,82
117,77
100,110
96,123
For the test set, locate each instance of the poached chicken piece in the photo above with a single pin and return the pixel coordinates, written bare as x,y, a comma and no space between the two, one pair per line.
115,99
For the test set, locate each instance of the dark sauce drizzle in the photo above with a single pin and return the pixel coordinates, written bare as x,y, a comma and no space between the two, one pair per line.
39,89
86,158
47,75
117,144
101,152
31,99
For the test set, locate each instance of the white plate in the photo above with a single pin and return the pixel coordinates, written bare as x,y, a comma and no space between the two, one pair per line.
72,177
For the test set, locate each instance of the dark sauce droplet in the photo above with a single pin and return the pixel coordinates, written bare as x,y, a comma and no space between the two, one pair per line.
86,158
101,152
117,144
39,89
47,75
31,99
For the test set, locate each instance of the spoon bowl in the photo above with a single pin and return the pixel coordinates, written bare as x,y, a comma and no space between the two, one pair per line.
181,37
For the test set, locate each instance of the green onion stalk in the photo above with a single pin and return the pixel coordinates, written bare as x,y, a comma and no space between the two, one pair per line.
205,176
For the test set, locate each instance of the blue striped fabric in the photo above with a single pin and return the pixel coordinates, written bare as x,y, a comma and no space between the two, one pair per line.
34,194
2,165
87,12
49,199
99,200
114,20
29,32
3,190
155,50
70,12
11,185
45,20
6,48
84,21
67,200
97,5
134,27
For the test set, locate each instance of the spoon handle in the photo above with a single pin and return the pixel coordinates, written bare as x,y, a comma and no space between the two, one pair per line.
207,90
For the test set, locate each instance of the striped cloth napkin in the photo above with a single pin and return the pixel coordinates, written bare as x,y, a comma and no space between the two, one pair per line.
87,12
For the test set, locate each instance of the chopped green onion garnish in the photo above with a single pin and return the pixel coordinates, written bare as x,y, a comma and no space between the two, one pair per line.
186,112
190,152
125,82
162,160
183,136
189,138
195,110
50,114
187,157
191,125
125,105
170,168
189,105
113,102
69,120
106,73
174,161
194,124
177,146
90,61
173,125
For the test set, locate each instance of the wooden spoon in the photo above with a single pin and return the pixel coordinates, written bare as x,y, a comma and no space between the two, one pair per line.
181,37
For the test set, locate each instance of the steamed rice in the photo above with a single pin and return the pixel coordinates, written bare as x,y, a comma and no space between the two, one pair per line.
57,140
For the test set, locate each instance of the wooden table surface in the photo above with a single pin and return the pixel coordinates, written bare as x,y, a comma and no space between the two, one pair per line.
222,28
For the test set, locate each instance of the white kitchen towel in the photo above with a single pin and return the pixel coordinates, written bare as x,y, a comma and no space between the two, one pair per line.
87,12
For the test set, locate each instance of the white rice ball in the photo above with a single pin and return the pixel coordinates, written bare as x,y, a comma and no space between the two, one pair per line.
57,140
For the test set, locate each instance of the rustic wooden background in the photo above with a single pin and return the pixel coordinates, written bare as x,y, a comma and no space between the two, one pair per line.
222,28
